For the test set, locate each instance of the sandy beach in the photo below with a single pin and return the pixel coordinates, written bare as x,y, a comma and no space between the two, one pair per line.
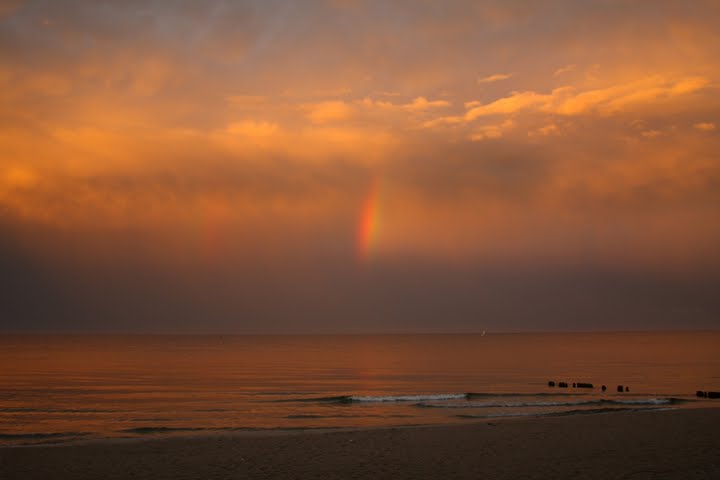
682,444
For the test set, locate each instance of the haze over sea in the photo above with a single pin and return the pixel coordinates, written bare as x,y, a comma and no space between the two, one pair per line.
60,388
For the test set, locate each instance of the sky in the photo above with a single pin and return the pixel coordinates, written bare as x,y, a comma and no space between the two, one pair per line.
359,166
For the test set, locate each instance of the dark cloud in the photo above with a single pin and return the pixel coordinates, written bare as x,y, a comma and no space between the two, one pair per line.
29,297
320,290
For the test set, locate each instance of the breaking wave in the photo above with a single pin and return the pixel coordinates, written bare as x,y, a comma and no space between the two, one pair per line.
408,398
634,401
381,398
425,400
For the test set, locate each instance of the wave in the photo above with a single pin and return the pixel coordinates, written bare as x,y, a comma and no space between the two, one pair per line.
314,416
40,436
155,419
53,410
634,401
335,399
471,395
278,393
652,401
380,398
169,430
154,430
408,398
349,399
579,411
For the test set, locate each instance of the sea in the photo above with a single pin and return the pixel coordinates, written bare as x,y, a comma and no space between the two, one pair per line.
70,388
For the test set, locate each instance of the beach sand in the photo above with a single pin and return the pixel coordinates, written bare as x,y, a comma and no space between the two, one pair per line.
681,444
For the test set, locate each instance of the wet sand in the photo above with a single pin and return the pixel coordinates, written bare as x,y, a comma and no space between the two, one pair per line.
681,444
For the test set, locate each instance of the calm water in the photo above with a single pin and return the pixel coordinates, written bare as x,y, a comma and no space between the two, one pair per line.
62,388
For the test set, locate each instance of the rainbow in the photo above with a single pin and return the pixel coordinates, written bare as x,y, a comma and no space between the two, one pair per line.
369,221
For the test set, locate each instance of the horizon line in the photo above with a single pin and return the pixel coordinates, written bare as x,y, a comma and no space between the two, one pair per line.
349,334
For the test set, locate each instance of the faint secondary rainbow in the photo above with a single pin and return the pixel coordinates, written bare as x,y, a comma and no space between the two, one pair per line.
368,230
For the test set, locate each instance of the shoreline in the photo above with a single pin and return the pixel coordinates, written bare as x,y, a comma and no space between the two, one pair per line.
682,443
191,433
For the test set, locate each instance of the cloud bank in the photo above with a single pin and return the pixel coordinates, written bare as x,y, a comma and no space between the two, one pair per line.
187,167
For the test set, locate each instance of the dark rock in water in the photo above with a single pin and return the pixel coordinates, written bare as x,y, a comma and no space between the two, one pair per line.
585,385
627,389
551,383
700,393
620,388
563,385
603,388
713,394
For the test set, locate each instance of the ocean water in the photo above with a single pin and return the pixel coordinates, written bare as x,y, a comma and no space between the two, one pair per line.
57,389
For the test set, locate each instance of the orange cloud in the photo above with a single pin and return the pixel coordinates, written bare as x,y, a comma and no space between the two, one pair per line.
19,177
246,100
485,132
651,133
545,130
516,102
329,111
421,104
418,104
565,69
252,129
705,126
494,78
569,101
95,135
617,98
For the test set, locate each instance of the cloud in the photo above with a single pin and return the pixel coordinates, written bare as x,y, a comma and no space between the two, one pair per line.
705,126
7,7
246,100
333,92
485,132
387,94
494,78
545,130
569,101
251,128
565,69
329,111
651,133
421,104
228,140
19,177
617,98
516,102
418,104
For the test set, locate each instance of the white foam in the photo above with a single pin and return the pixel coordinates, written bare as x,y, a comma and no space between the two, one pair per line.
512,404
408,398
645,401
574,403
